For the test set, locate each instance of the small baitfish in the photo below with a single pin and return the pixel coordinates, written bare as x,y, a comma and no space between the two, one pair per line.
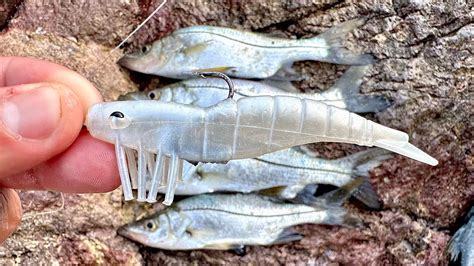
232,221
240,54
207,92
462,243
284,174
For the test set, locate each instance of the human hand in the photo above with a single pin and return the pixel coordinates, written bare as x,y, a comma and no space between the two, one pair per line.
42,143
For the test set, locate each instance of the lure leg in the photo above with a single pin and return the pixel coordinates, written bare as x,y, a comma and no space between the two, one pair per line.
164,176
132,166
123,170
172,178
142,164
150,161
180,171
155,182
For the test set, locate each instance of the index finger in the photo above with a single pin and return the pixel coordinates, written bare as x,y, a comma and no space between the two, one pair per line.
23,70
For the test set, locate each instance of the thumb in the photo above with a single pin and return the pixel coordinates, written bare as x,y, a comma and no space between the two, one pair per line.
37,122
10,212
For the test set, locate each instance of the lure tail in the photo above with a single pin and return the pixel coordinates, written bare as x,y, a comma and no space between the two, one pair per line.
346,89
407,149
333,40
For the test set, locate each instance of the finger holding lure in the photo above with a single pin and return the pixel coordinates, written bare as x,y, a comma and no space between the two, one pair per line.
239,53
232,129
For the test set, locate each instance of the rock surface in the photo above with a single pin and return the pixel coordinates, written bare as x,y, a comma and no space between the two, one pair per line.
424,53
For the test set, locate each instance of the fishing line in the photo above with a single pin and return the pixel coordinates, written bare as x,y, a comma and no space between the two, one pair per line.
31,215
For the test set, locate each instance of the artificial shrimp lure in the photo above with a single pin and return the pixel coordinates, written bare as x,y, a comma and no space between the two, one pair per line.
166,133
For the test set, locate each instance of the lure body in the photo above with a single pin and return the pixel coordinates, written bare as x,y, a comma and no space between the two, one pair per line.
239,53
219,221
230,130
208,92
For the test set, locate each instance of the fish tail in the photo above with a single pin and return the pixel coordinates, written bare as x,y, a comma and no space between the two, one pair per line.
347,88
334,38
340,216
361,163
455,245
333,198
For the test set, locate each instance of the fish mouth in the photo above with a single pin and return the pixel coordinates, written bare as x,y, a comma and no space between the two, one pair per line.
123,231
127,61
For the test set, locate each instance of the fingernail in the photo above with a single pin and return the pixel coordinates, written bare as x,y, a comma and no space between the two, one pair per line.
32,114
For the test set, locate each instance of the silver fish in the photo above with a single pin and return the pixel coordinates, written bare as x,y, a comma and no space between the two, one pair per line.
207,92
285,174
463,242
240,54
225,221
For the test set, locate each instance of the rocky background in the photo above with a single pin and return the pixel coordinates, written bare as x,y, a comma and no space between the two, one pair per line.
424,52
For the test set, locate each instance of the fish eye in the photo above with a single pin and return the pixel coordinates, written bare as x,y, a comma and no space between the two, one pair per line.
146,48
150,226
153,95
117,114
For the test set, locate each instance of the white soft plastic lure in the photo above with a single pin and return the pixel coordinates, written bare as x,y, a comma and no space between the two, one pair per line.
166,133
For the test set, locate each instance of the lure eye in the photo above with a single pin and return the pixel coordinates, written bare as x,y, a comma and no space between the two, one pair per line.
117,114
118,120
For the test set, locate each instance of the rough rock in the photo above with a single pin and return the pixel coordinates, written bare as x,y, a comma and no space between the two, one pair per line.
424,53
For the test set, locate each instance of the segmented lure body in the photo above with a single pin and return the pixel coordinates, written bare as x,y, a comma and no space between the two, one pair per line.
246,128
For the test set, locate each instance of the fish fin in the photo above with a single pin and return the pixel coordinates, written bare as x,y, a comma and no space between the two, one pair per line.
407,149
287,236
340,216
239,250
284,85
364,161
305,150
306,195
338,196
273,191
347,89
194,49
224,246
287,73
221,69
455,245
334,38
366,194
